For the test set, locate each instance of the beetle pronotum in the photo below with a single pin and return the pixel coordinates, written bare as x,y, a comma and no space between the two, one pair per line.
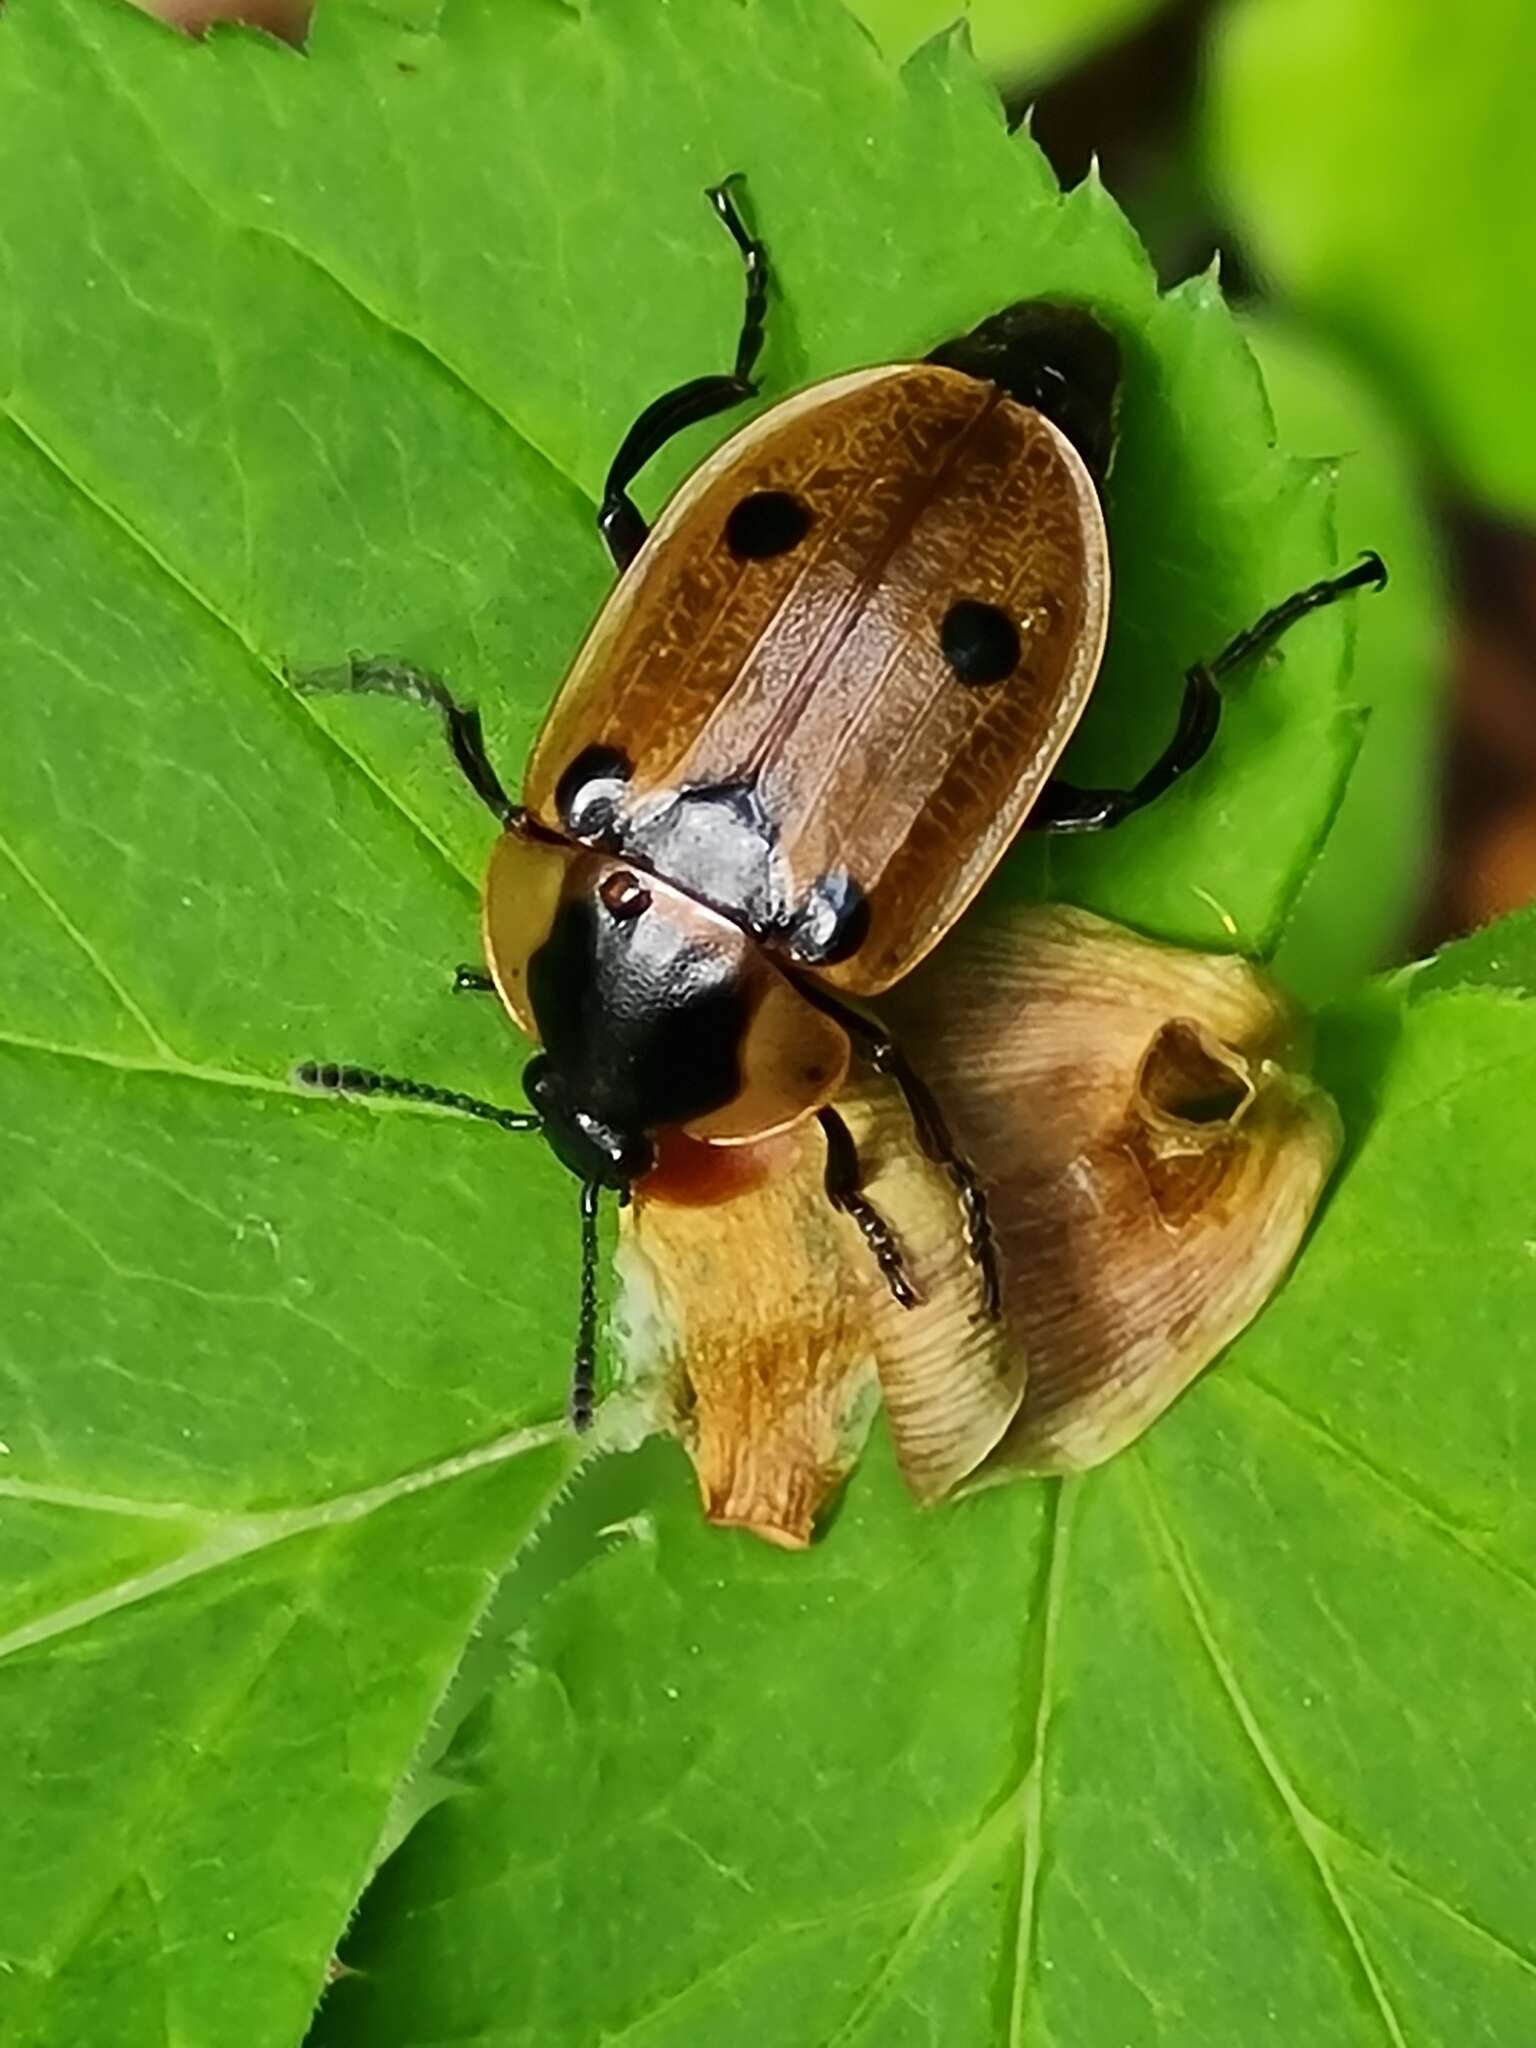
827,692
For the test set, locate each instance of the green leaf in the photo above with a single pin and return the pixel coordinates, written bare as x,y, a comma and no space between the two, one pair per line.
1354,910
202,1750
300,354
1013,41
1503,955
1404,217
1234,1727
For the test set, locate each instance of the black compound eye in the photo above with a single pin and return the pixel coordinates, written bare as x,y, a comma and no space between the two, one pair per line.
980,643
766,524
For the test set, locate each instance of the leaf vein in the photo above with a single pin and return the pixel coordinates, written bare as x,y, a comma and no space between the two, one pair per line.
1032,1788
234,1537
295,706
264,230
1407,1500
1426,1895
1309,1830
73,932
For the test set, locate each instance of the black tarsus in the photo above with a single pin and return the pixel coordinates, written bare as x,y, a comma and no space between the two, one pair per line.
338,1080
933,1134
1062,807
844,1191
754,260
1369,573
380,677
472,981
619,520
584,1364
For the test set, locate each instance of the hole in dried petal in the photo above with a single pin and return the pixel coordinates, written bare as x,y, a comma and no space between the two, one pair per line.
1186,1080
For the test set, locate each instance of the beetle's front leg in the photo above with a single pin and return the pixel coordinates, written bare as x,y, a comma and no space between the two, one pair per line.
1063,807
937,1141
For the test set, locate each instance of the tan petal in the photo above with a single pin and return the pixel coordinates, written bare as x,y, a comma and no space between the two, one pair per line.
1153,1150
1152,1154
768,1324
765,1370
950,1379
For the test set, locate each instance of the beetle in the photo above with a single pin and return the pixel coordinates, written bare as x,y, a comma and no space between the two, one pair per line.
825,695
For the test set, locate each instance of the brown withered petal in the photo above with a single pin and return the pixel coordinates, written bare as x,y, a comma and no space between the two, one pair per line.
735,1313
1154,1148
771,1330
1152,1153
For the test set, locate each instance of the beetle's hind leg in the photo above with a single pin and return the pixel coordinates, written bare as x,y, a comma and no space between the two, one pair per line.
461,722
1063,807
845,1191
618,517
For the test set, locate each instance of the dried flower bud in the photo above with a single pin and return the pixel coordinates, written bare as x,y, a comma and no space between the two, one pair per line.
1152,1155
1155,1150
771,1332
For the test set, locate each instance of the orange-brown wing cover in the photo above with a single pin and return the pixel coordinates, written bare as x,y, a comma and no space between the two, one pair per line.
819,672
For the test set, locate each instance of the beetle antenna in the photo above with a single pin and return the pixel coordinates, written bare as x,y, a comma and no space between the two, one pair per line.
461,722
584,1366
363,1081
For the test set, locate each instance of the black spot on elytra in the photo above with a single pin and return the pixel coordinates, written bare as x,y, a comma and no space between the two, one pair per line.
766,524
980,643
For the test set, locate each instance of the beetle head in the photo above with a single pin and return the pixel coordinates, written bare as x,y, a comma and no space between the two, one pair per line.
594,1151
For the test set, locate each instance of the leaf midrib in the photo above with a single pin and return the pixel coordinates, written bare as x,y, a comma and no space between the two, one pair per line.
1309,1830
228,1538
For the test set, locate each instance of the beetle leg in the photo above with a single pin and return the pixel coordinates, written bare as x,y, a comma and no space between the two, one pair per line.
470,981
461,722
933,1134
618,517
1369,573
1062,807
844,1192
